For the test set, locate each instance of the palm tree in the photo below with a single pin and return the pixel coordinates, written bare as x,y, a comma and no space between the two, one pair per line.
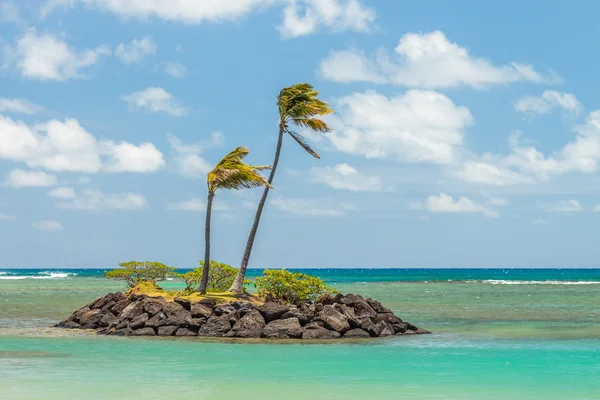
299,105
230,173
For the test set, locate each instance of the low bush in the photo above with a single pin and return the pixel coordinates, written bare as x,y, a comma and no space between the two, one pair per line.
135,272
220,277
291,287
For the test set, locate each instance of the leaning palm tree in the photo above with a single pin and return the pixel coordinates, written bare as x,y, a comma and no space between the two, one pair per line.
230,173
299,105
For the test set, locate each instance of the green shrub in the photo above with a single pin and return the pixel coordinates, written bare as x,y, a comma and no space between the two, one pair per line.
134,272
220,277
291,287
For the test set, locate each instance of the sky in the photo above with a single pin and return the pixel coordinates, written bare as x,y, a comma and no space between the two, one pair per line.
465,134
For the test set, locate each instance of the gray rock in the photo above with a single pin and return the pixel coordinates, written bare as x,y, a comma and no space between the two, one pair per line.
319,333
196,323
71,325
199,310
119,307
245,308
139,321
86,316
363,310
167,330
185,332
356,334
368,326
333,319
122,325
249,326
385,328
132,310
350,299
283,329
326,299
215,326
157,321
348,312
224,309
121,332
210,303
108,306
153,306
303,316
378,307
272,311
185,303
108,320
421,331
170,308
143,332
180,318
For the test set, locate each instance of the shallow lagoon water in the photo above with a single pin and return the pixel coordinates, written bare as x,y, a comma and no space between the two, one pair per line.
526,334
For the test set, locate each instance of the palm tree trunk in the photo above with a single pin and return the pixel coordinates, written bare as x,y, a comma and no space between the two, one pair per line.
204,281
236,287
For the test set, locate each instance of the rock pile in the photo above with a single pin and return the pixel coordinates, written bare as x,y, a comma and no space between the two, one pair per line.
342,316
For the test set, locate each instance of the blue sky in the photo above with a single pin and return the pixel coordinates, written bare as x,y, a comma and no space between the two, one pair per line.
465,134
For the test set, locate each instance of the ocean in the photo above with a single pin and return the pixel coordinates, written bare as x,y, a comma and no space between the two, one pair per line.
498,334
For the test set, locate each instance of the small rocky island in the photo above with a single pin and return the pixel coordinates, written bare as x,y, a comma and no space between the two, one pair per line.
329,317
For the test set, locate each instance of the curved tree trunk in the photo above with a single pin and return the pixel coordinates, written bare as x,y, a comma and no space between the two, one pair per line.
236,287
204,281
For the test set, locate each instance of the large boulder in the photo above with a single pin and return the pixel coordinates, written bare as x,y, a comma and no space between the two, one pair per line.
88,315
180,317
139,321
185,303
333,320
133,310
363,310
185,332
272,311
304,316
210,303
283,329
368,326
349,299
171,308
216,326
385,328
167,330
378,307
71,325
249,326
158,320
225,309
356,334
153,306
315,331
108,320
119,306
199,310
143,332
349,313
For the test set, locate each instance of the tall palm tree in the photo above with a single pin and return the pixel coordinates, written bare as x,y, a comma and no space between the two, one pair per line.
299,105
230,173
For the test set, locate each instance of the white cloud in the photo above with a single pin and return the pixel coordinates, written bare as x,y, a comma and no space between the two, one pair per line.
18,178
444,203
539,221
6,217
48,226
303,17
18,106
134,52
9,12
156,100
196,205
188,157
175,70
344,176
419,126
312,207
63,193
490,174
95,200
426,61
498,201
48,57
548,101
563,206
65,146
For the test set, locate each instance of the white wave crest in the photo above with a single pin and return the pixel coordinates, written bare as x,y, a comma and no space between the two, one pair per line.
41,275
508,282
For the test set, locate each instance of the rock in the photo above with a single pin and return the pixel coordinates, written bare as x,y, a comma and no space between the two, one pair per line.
232,317
363,310
170,308
319,333
408,332
325,299
71,325
368,326
272,311
385,328
421,331
249,326
283,329
199,310
132,310
157,321
119,307
333,319
92,304
139,321
378,307
356,334
245,308
215,326
196,323
185,303
121,332
107,306
153,306
318,307
143,332
350,299
314,325
167,330
303,316
387,317
86,316
185,332
348,312
138,297
210,303
108,320
122,325
224,309
180,318
94,321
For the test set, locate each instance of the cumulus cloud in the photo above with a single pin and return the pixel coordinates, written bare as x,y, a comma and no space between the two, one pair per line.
548,101
95,200
18,106
312,207
48,57
47,226
175,70
136,51
62,193
444,203
9,12
65,146
196,205
563,206
346,177
426,61
19,178
187,157
6,217
155,100
417,127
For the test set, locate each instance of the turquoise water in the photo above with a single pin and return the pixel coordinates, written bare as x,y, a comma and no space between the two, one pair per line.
525,334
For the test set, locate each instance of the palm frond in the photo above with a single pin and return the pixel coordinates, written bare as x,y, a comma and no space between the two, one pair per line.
312,123
232,173
298,138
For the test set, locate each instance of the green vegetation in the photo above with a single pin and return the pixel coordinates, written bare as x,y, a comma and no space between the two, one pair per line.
134,272
230,173
220,277
291,287
299,105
